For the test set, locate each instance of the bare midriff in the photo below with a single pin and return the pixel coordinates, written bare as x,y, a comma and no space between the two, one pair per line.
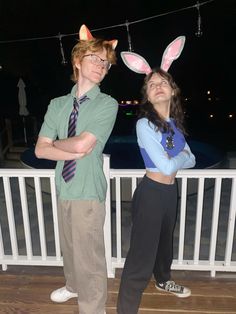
160,177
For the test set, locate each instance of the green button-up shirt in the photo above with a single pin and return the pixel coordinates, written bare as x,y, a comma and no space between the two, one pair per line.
96,115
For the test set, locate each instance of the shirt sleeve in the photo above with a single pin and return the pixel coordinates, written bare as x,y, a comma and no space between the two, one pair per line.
191,161
103,120
49,127
150,141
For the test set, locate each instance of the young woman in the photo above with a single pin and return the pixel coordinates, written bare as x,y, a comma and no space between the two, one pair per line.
160,135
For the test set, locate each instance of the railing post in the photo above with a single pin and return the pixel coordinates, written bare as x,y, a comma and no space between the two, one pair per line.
107,225
4,266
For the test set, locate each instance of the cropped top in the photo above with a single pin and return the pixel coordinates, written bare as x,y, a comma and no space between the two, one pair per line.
163,152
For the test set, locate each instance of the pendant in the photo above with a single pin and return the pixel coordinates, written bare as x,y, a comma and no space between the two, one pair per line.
170,141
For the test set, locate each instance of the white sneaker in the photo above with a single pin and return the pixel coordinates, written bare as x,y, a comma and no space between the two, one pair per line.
62,295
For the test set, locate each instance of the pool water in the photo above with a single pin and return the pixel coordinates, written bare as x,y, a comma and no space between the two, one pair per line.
124,154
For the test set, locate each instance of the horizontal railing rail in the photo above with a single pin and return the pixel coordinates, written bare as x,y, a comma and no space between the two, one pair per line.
204,237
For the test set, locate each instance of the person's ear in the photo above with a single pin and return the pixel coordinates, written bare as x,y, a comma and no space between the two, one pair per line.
77,64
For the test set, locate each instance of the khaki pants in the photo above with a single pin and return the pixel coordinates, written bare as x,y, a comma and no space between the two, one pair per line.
82,243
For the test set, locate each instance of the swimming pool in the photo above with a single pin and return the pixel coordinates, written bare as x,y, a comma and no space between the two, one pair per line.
125,154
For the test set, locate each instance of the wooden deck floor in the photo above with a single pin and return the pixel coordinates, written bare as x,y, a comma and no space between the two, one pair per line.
25,290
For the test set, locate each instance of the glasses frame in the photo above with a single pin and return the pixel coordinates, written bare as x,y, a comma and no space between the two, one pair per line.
96,60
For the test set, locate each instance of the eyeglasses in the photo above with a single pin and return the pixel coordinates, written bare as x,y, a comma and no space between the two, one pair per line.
96,60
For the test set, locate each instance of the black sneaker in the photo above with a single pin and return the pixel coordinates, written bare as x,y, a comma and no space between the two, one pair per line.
171,287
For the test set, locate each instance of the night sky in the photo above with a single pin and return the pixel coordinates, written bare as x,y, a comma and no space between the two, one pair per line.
206,63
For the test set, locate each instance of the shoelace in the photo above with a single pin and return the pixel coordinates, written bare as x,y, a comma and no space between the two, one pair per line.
171,285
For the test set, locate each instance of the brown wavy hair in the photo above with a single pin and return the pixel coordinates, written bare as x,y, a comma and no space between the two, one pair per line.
93,45
176,111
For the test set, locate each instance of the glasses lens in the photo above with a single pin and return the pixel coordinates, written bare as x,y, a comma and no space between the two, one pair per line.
95,59
107,65
98,61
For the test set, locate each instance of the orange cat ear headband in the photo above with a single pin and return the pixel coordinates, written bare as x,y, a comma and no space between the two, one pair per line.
85,34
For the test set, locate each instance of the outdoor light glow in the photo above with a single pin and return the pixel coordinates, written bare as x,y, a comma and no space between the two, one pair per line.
208,92
230,115
211,116
129,102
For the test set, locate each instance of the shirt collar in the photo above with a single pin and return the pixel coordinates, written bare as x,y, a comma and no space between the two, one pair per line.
91,94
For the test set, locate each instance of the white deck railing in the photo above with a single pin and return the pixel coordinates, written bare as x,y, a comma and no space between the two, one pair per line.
204,237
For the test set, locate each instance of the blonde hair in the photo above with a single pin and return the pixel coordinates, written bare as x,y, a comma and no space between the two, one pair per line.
93,45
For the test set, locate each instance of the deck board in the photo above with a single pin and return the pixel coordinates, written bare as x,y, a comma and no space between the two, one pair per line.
26,290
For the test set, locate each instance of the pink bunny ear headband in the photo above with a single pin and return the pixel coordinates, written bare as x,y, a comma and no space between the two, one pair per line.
139,65
84,34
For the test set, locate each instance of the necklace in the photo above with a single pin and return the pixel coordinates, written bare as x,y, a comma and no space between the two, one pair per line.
170,140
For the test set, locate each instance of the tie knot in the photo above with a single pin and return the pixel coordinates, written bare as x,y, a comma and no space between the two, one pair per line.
79,101
83,98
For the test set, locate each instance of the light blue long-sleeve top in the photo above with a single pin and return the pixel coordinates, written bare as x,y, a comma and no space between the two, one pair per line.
163,152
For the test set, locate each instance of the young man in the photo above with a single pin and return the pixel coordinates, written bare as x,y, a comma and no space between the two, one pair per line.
75,130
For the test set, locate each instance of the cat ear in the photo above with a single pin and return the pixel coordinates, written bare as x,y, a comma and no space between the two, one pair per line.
84,33
172,52
135,62
113,43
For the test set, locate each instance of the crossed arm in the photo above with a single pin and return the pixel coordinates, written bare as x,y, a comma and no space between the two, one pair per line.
65,149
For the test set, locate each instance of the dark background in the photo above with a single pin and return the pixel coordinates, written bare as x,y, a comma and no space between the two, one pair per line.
206,63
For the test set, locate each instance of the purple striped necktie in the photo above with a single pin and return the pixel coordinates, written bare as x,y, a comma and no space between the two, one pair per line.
69,167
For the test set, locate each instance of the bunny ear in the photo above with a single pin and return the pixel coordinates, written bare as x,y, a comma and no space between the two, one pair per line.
84,33
172,52
135,62
113,43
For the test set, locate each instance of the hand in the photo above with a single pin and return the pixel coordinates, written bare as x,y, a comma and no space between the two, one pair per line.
79,155
186,151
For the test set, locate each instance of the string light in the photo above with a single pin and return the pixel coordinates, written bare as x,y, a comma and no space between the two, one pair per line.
199,21
107,27
63,61
60,36
129,37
